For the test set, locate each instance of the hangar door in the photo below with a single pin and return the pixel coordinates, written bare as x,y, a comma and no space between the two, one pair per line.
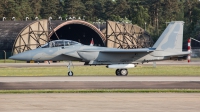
127,36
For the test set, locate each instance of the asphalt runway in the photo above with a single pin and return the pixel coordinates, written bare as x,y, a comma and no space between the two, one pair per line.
130,82
100,102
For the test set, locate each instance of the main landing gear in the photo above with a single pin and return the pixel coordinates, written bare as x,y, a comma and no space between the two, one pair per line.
121,72
70,73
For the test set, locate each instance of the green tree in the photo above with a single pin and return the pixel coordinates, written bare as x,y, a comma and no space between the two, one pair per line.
23,9
191,15
50,9
171,9
89,9
74,8
60,10
36,6
110,10
99,9
195,18
10,6
141,16
2,9
121,8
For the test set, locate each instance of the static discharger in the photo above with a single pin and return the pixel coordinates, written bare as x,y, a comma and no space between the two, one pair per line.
189,49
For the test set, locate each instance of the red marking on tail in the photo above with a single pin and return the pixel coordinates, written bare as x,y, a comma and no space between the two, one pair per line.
92,42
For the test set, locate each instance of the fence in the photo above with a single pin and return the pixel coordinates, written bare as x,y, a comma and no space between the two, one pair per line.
195,53
2,54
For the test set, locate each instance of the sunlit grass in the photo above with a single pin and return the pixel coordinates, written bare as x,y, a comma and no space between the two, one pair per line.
161,70
195,59
11,61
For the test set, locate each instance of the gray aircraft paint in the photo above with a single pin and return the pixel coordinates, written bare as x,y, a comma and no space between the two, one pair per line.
172,38
167,46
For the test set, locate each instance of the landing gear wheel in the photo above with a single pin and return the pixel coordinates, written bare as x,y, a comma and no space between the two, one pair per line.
117,72
70,73
123,72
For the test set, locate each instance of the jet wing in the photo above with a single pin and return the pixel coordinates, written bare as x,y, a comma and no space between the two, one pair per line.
106,55
128,51
120,50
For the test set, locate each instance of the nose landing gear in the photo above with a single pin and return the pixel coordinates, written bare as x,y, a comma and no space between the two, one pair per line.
70,73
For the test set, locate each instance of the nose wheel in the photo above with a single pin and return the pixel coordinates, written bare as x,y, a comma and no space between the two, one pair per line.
70,73
121,72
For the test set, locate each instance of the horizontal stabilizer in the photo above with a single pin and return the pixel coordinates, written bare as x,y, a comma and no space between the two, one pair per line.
179,54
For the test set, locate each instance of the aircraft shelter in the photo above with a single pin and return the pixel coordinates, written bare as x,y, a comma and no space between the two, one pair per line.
109,34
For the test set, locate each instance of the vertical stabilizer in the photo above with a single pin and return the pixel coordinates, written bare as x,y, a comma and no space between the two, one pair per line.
172,38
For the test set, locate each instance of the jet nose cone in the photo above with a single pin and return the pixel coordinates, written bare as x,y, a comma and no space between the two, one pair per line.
14,57
25,56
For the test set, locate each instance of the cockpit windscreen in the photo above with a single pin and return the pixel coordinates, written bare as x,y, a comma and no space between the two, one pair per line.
58,43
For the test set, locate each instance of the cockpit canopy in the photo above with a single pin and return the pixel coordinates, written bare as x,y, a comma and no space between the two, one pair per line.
58,43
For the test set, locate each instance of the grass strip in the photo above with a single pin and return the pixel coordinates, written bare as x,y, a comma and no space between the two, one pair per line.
11,61
161,70
103,91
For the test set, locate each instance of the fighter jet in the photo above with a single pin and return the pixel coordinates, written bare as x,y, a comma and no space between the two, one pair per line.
168,45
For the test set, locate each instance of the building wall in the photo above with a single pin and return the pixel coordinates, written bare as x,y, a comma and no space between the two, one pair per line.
8,33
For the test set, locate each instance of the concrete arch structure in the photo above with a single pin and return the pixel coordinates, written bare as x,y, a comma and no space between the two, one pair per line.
32,36
126,36
80,31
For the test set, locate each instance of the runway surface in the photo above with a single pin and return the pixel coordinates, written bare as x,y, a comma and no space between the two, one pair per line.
154,82
101,102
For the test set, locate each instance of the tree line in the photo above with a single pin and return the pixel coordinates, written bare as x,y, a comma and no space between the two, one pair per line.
150,14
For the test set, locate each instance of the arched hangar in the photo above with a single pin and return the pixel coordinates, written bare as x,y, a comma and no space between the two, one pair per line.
113,34
78,30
